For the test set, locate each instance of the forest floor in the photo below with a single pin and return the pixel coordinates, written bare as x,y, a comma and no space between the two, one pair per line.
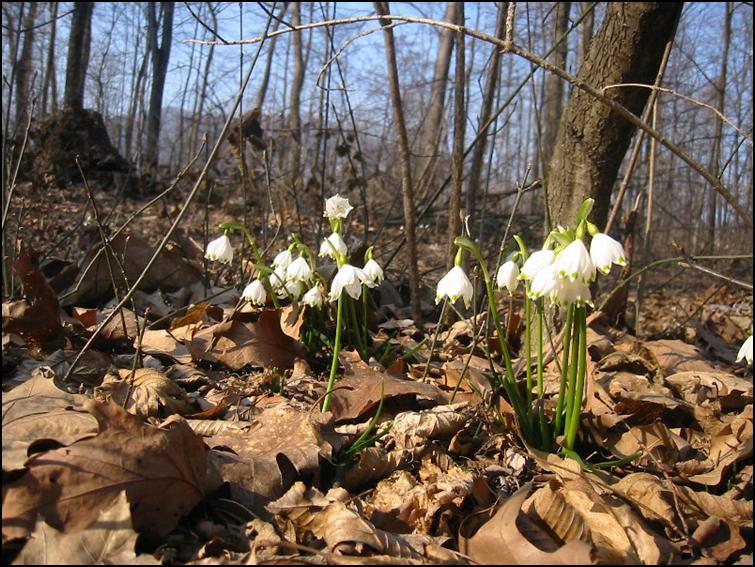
191,432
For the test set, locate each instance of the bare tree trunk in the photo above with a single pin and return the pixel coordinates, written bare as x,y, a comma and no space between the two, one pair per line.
270,53
137,93
460,120
24,65
592,139
491,85
202,96
407,189
160,58
553,101
78,55
433,123
50,84
294,117
715,153
585,35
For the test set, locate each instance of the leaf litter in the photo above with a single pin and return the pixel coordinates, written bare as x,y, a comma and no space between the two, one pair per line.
193,434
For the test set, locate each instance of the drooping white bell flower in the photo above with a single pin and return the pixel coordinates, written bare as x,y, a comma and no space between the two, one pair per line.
298,270
745,351
337,207
605,251
544,283
331,242
574,262
536,262
373,273
348,278
453,285
255,293
313,297
508,276
277,278
283,259
567,292
220,249
291,289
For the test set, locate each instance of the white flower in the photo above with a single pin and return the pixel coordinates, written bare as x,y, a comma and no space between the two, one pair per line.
313,297
567,292
290,288
373,273
283,259
454,284
544,283
220,249
507,276
298,270
536,262
348,278
278,278
746,351
337,207
574,262
333,241
605,251
255,293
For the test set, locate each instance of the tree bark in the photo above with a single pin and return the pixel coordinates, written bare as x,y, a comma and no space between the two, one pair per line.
78,55
592,139
433,123
50,85
715,154
294,117
262,91
457,161
24,65
491,85
160,57
553,100
407,189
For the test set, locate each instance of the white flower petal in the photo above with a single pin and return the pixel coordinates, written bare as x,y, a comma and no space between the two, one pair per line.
348,278
605,251
313,297
453,285
298,270
220,249
373,272
536,262
508,276
574,262
255,293
337,207
331,242
283,259
745,351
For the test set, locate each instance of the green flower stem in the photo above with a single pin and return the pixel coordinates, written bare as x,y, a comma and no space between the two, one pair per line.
336,350
572,383
576,412
528,354
365,327
559,418
544,434
509,382
356,329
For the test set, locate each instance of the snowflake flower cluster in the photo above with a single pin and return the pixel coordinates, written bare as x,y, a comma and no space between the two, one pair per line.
293,274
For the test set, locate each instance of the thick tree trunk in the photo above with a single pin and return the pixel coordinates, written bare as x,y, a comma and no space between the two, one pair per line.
24,66
50,85
160,58
78,55
592,140
553,101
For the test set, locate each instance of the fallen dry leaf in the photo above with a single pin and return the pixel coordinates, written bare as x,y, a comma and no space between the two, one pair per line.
37,410
109,540
161,469
145,394
511,538
240,343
